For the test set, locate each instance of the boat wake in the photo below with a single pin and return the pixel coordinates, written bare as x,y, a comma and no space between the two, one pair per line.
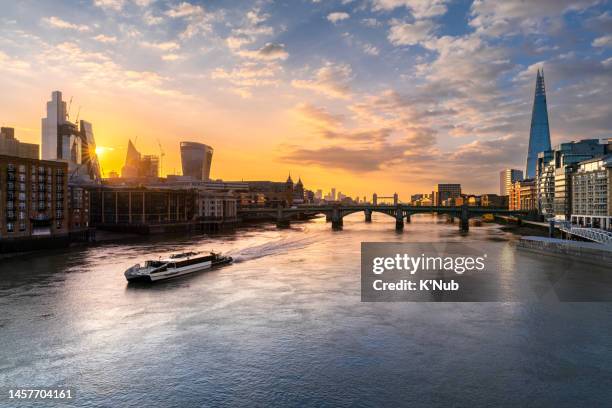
270,248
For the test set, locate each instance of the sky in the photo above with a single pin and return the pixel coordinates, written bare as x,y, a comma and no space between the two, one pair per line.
363,95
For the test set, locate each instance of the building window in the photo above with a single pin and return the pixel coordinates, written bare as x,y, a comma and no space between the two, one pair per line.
10,227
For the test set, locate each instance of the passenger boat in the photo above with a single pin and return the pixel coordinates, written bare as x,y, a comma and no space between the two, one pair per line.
175,265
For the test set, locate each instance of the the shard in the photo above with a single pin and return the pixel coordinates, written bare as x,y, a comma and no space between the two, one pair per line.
539,135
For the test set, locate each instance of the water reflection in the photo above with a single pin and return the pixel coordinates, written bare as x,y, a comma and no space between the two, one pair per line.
285,324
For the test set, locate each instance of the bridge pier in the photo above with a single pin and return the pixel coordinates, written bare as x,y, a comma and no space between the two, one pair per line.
336,219
551,229
328,217
368,215
282,222
464,223
408,218
399,219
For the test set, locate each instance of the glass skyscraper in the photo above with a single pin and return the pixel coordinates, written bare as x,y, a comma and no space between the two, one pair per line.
196,159
539,135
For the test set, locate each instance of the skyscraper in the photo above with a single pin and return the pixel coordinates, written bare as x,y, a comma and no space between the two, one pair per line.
66,141
539,135
196,159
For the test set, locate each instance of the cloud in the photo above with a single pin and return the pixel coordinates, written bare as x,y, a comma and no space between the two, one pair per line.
184,9
419,8
105,39
402,33
371,22
12,64
270,51
370,49
318,116
115,5
198,20
162,46
172,57
368,156
57,22
247,76
337,16
331,80
494,18
249,31
605,41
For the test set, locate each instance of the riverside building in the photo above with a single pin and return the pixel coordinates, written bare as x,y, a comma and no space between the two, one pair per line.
592,193
554,174
33,200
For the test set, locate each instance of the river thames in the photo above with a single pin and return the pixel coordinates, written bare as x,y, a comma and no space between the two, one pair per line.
284,325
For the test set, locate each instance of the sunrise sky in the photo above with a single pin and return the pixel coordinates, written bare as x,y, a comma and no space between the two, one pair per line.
361,95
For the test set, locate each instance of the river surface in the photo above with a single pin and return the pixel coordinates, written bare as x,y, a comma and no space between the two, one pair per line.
284,325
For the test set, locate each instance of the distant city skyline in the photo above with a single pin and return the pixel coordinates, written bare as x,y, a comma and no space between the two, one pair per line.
365,96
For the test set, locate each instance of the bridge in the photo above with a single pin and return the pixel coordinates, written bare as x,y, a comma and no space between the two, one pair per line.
335,213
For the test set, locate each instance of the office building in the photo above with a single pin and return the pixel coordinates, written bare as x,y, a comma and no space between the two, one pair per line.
196,159
70,142
507,177
539,133
592,193
444,192
10,146
139,166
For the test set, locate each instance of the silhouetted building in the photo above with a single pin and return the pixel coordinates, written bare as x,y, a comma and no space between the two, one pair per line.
10,146
138,166
196,160
69,142
444,192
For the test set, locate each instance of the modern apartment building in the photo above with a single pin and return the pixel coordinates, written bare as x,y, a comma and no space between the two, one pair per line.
554,172
592,193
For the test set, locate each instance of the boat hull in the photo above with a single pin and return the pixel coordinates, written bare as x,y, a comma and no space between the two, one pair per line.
170,273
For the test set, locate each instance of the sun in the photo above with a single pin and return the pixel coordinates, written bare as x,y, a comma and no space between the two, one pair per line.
101,150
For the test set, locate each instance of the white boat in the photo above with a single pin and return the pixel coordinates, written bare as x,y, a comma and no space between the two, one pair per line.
175,265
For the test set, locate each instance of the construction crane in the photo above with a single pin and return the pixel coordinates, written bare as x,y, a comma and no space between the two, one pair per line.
68,112
77,116
161,158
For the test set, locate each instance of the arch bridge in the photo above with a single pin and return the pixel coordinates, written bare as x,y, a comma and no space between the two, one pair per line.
335,213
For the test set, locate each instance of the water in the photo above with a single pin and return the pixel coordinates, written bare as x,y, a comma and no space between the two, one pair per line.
284,325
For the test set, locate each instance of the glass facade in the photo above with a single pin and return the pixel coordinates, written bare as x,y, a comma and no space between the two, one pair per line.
539,134
196,159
